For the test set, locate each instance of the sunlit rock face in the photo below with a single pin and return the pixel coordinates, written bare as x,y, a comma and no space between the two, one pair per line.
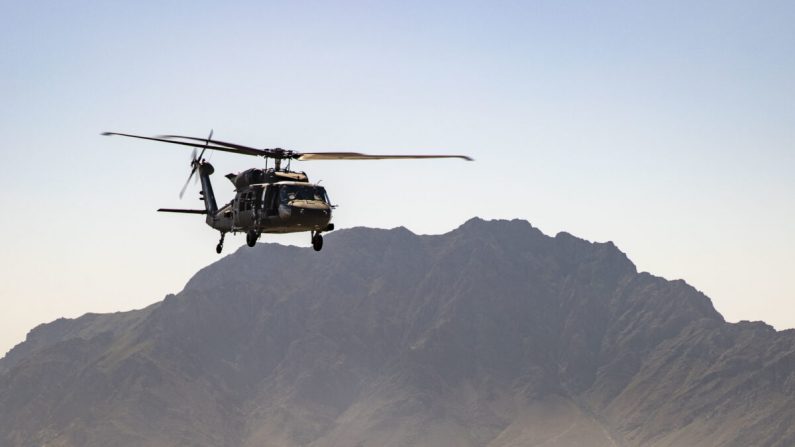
491,335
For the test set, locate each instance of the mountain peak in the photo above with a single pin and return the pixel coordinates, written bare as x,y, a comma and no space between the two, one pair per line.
491,334
478,224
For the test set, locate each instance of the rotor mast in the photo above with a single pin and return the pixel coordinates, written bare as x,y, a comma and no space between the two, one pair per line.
277,155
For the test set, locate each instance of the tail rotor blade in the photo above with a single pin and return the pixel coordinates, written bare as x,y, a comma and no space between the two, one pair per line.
197,159
193,163
187,182
206,143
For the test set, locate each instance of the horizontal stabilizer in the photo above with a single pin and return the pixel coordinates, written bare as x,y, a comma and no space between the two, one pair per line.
173,210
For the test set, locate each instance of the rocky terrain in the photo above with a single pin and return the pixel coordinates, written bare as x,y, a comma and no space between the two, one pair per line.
491,335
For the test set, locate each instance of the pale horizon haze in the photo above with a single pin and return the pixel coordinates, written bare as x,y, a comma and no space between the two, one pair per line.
665,127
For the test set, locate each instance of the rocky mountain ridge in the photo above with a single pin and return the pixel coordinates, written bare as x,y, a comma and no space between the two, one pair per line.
493,334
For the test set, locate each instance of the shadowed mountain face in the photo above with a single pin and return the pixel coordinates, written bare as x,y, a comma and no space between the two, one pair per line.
490,335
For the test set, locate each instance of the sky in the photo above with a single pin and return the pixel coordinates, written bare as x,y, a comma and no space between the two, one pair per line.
667,127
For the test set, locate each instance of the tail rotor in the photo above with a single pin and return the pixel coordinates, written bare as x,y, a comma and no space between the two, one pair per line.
194,163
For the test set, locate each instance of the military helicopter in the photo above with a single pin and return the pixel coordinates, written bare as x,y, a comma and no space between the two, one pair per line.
269,200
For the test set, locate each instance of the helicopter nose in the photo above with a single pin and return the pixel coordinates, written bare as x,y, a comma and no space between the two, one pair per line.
311,216
309,205
310,212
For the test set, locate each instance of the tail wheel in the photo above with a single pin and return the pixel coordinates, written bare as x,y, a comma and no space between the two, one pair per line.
220,245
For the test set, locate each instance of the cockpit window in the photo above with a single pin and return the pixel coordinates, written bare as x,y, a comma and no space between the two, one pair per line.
296,192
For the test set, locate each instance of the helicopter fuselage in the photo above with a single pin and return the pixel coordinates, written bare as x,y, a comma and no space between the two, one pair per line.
266,201
269,201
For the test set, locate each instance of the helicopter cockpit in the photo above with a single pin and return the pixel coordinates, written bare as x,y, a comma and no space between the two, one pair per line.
291,192
291,205
279,198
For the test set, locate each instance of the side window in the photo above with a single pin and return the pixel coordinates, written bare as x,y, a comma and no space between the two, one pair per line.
270,199
241,202
274,199
266,195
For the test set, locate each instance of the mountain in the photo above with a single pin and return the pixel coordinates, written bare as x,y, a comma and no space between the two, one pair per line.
491,335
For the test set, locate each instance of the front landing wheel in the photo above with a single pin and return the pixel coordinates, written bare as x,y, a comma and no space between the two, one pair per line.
317,242
251,238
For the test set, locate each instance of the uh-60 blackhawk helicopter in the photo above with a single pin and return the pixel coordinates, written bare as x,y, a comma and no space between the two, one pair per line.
269,200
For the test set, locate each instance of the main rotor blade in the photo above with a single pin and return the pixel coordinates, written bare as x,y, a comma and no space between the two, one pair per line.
222,143
247,151
177,210
281,153
306,156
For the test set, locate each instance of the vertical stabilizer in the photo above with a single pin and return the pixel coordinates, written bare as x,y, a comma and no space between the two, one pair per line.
205,170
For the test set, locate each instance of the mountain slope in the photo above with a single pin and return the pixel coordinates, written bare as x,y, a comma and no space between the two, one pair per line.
492,334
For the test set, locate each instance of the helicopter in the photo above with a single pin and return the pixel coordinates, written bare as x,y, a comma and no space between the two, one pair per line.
268,200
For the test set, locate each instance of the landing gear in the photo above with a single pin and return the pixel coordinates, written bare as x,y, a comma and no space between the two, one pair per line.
317,242
251,238
220,245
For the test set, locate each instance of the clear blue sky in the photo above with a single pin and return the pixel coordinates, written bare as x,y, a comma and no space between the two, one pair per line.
667,127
